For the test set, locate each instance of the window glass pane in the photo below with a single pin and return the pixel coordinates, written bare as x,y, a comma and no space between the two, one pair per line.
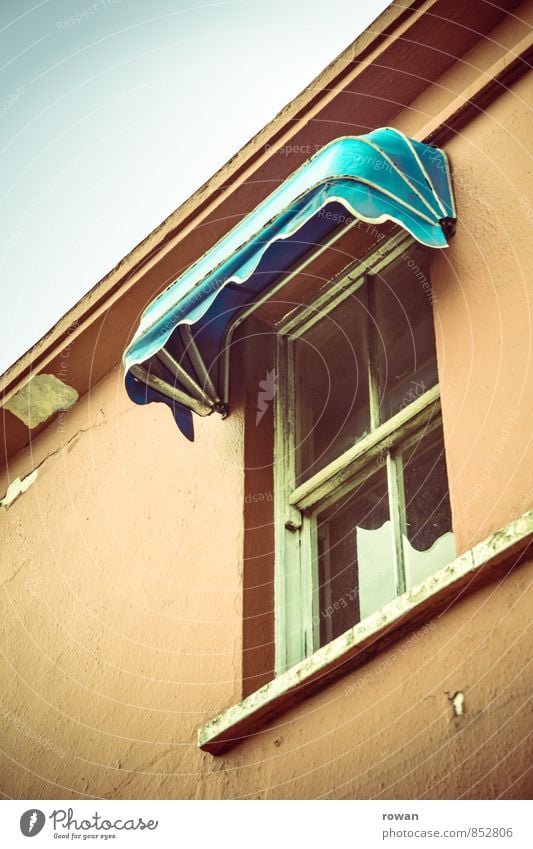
404,331
356,561
331,387
429,545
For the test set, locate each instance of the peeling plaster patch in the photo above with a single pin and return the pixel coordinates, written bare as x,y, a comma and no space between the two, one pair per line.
40,398
458,701
17,487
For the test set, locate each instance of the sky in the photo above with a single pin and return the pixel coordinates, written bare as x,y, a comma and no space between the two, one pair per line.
114,112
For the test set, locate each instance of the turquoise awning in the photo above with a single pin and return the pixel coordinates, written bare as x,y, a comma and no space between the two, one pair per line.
175,355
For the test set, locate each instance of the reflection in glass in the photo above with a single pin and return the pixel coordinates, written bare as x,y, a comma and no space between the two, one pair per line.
331,387
356,565
429,544
404,332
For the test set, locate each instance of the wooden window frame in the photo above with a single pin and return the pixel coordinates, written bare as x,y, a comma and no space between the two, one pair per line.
297,620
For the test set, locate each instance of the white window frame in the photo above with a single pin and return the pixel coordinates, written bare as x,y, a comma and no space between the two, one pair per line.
297,621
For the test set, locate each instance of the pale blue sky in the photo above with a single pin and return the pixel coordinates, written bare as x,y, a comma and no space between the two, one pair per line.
113,112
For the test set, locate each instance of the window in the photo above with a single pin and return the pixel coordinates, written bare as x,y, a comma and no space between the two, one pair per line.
362,506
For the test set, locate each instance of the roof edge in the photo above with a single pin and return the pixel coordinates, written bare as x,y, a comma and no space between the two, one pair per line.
185,215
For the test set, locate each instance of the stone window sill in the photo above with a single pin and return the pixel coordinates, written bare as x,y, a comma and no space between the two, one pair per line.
486,561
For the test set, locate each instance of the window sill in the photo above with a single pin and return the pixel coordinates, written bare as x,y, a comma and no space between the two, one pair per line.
486,561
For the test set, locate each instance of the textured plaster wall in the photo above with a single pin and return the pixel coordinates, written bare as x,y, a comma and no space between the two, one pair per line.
484,320
120,596
117,641
121,573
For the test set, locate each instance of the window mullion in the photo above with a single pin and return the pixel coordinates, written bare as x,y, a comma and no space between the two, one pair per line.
341,474
371,334
397,515
309,590
326,585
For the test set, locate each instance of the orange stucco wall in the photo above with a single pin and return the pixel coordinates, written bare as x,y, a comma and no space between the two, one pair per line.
122,569
484,320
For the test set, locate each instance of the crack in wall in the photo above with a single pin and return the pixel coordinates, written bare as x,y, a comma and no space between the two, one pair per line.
19,485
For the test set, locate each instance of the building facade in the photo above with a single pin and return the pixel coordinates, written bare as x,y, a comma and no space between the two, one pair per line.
162,636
